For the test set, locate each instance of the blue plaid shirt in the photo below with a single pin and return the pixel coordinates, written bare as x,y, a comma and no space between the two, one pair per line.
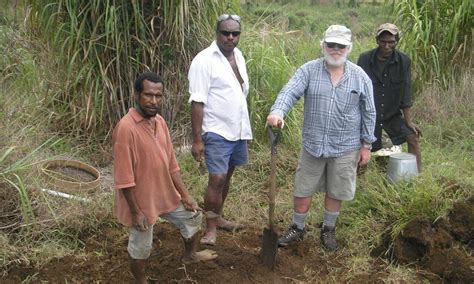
336,119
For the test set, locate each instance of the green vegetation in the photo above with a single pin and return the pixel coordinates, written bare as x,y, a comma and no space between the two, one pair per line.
438,36
66,77
101,46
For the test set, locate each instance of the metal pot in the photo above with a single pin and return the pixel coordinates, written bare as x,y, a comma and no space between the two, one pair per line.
401,166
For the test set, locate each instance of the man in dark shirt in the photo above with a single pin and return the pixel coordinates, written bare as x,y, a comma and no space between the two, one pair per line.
390,72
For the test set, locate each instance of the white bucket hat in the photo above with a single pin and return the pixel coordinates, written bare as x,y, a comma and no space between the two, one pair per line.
338,34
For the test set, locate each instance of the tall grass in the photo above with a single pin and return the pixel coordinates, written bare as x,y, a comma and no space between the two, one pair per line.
101,46
270,67
13,174
282,38
437,35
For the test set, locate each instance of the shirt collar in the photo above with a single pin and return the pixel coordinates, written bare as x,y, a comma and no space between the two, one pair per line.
393,58
137,117
215,48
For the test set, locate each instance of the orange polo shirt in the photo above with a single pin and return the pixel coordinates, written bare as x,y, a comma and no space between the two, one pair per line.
144,160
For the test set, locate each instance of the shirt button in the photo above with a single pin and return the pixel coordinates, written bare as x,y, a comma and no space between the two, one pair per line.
383,85
381,124
383,95
385,75
381,105
381,114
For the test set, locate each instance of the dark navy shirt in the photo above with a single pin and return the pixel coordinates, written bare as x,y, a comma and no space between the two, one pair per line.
392,84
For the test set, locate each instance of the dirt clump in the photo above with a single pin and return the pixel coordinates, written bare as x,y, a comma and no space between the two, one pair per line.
443,248
461,221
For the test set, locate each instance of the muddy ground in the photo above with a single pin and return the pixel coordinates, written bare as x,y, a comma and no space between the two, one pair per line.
440,252
238,261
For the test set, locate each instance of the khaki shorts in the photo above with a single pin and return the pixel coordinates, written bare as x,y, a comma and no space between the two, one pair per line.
335,176
140,243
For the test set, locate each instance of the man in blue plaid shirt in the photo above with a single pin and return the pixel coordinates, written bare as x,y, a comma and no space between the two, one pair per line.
339,122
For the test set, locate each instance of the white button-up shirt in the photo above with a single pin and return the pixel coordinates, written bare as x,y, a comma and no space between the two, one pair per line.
213,83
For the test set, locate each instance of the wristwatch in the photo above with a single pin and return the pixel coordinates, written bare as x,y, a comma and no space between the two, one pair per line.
366,145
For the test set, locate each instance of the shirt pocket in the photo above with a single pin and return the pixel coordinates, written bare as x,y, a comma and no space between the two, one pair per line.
397,82
349,101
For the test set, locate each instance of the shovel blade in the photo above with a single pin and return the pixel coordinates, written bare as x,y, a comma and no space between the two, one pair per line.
269,247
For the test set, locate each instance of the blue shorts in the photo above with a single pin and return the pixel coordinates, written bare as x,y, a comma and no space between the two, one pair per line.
220,153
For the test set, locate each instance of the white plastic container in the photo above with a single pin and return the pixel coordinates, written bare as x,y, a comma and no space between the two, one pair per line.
401,166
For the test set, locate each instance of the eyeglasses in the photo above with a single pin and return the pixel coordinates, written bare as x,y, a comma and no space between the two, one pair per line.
224,17
227,33
333,45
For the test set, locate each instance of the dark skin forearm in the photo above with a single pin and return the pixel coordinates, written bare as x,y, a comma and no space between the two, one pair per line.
409,122
197,114
188,201
139,220
407,114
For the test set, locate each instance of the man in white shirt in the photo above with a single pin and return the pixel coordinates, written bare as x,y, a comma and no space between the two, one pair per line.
218,87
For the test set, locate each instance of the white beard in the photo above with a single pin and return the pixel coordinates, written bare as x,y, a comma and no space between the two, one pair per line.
334,62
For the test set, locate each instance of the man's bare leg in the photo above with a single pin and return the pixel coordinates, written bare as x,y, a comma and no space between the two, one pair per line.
138,269
190,254
414,148
212,206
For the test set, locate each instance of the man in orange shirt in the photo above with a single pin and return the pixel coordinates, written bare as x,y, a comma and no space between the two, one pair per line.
147,179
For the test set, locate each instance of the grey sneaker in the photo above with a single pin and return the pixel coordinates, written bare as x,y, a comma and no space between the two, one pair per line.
328,238
293,234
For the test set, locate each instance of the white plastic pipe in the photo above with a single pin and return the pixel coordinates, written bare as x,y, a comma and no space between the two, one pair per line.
65,195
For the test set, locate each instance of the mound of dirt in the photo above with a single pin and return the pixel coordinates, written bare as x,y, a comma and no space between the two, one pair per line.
444,248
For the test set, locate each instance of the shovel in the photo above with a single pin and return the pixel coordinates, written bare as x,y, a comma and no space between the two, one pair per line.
270,237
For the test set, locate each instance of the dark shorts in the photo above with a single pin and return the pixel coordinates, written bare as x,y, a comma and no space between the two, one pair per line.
220,153
396,129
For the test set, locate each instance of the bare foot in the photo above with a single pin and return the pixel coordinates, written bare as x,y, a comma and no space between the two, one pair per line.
209,238
203,255
228,225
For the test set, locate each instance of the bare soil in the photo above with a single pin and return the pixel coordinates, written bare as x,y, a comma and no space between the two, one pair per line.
238,260
441,252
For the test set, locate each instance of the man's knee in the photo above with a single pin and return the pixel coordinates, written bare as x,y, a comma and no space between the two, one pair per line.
413,139
217,181
139,250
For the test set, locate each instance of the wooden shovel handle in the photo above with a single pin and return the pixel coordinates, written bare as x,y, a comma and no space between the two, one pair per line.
273,161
